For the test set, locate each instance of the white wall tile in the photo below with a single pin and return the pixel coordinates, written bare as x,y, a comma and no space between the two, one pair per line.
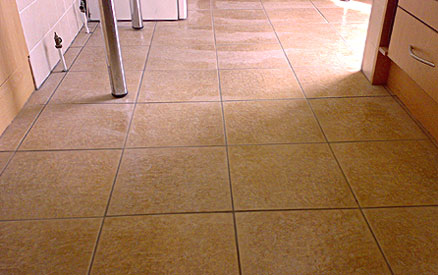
40,19
22,4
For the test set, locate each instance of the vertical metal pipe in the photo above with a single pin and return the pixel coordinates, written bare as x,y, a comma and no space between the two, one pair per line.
87,30
136,14
114,60
61,56
84,10
58,45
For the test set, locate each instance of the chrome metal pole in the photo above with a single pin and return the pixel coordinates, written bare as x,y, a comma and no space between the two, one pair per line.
114,59
136,14
61,56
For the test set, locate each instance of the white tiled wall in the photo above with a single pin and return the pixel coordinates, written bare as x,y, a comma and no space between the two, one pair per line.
40,19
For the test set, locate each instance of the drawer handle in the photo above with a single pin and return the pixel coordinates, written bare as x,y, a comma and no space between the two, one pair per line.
416,57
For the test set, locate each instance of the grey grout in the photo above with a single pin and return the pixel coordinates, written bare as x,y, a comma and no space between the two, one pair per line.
417,122
350,186
214,145
361,208
51,219
226,146
99,234
42,109
236,235
297,209
217,101
329,145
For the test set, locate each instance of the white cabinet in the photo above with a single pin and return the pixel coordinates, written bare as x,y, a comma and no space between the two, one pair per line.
152,9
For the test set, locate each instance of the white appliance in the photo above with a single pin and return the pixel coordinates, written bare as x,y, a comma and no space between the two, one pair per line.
151,9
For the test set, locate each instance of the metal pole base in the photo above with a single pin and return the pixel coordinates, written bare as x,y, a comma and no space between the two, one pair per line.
119,95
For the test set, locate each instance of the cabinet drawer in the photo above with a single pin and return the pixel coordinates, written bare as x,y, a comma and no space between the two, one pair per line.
411,40
425,10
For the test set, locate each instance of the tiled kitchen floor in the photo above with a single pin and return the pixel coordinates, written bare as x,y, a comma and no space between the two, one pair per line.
249,143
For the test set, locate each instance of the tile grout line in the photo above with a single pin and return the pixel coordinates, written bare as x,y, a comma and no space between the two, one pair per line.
360,208
389,92
225,211
416,121
328,143
333,28
14,152
226,145
213,145
236,237
320,13
216,101
99,234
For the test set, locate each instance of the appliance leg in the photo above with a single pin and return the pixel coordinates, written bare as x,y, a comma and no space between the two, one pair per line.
136,14
114,59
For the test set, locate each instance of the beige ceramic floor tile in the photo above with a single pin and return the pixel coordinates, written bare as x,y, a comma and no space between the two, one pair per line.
128,36
310,57
336,81
198,5
331,43
170,244
183,35
287,176
4,157
259,84
94,87
280,121
408,238
349,119
196,19
391,173
11,137
283,17
307,242
236,4
300,28
42,95
311,36
81,39
361,5
354,34
182,57
177,124
251,56
80,126
352,60
327,55
70,56
47,247
243,26
92,26
172,180
286,4
340,15
57,184
165,86
93,59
